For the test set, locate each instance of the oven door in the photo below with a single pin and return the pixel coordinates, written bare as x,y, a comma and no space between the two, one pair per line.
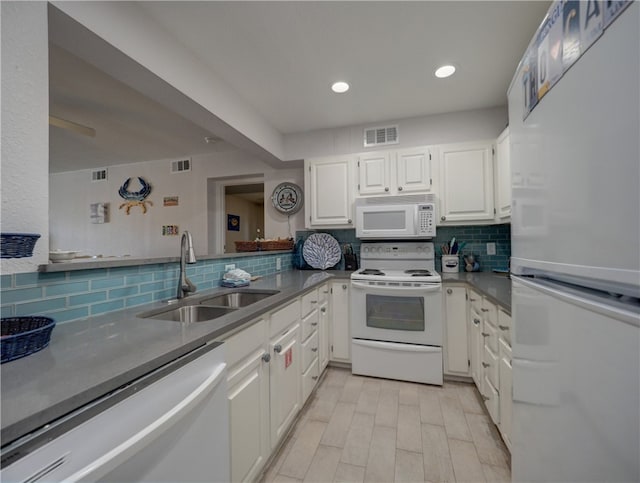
397,312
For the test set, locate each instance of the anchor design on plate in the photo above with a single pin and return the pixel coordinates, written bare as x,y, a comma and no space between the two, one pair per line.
135,198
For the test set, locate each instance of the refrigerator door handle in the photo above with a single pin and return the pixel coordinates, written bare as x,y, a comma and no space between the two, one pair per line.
126,449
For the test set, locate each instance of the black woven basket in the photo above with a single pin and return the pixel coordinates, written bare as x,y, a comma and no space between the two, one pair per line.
21,336
17,245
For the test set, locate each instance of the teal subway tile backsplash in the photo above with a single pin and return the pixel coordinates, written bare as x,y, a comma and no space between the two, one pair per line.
67,296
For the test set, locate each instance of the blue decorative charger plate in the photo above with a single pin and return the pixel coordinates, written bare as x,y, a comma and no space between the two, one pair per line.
321,251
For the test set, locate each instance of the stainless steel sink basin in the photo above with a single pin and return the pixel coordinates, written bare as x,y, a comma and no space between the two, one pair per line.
237,300
189,313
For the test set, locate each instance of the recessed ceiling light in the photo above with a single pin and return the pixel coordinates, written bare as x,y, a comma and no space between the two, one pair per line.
340,87
445,71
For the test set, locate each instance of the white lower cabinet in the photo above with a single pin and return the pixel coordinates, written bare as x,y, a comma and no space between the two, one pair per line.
340,331
475,345
506,397
456,361
285,389
248,394
323,335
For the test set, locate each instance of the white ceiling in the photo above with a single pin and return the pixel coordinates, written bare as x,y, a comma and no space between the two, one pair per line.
281,57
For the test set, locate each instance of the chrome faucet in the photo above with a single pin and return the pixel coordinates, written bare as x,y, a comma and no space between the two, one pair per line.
187,255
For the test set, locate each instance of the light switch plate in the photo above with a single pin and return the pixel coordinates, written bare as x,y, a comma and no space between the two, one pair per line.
278,264
491,248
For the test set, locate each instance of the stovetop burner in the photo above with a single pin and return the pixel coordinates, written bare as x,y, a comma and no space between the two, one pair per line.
371,271
418,273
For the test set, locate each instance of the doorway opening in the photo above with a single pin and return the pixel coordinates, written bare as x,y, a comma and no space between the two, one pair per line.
244,213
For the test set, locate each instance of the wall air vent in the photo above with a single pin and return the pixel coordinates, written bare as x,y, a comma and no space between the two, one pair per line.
181,165
98,175
379,136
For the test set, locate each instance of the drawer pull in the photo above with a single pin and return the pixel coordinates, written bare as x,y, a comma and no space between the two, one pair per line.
503,327
449,291
484,310
314,323
314,349
323,310
325,291
484,334
476,321
485,398
485,365
344,287
315,378
473,300
314,301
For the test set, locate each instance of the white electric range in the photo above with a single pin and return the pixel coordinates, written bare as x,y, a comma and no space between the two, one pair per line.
396,313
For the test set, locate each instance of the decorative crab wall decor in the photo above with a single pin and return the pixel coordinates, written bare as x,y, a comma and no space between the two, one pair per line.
135,198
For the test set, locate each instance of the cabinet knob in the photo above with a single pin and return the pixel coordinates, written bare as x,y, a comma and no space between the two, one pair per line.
323,310
484,334
399,188
449,291
349,221
314,349
344,287
277,348
314,323
485,365
503,327
442,218
266,357
476,321
386,189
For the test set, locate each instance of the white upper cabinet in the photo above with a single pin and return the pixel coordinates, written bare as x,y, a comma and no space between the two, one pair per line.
503,176
394,172
466,183
413,170
374,173
328,184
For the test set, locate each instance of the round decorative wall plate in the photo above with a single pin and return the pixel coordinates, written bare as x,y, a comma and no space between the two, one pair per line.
321,251
287,198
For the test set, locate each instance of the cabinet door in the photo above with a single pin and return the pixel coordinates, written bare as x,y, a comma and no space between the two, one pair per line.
374,173
506,384
457,356
503,176
328,186
466,175
249,416
413,170
475,345
323,333
286,378
340,333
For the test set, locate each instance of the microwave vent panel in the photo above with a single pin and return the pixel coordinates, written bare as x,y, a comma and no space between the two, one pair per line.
380,136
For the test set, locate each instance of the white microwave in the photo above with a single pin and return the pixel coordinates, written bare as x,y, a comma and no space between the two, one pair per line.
401,217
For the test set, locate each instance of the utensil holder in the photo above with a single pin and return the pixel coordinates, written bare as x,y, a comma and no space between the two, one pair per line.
450,263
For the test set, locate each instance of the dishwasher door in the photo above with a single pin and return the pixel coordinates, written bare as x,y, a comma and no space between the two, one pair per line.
173,429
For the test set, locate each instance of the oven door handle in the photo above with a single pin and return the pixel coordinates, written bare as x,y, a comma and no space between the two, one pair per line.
395,346
427,287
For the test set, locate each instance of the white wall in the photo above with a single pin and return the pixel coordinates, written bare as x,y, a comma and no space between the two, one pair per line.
140,235
446,128
25,128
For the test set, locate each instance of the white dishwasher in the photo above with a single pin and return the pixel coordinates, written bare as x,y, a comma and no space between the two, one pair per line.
170,425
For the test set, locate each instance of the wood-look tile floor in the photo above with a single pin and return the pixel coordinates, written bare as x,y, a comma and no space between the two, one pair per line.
358,429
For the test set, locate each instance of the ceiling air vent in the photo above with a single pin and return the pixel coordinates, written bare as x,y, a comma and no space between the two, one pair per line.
99,175
181,166
379,136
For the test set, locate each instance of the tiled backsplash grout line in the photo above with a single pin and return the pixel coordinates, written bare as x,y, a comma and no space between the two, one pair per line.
67,296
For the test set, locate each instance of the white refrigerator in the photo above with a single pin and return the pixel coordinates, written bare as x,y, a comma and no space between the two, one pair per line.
576,247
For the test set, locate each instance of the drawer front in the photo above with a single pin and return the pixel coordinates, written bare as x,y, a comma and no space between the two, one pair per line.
309,302
323,293
504,326
475,299
309,324
284,317
489,312
239,345
490,335
492,400
309,380
490,365
309,350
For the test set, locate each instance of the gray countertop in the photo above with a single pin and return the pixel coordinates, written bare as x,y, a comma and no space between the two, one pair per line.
495,286
89,358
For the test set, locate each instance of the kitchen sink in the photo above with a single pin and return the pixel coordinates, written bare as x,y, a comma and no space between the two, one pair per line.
237,300
189,313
